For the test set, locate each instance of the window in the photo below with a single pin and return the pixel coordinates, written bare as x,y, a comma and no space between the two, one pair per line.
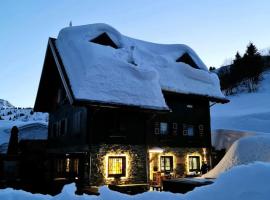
67,165
105,40
174,128
188,130
63,127
194,163
185,58
116,166
77,122
201,129
55,130
60,167
163,126
189,106
166,163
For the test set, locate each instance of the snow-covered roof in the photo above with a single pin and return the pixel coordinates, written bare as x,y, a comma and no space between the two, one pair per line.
135,73
27,131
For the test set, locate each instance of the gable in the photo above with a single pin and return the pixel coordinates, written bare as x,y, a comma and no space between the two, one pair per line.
185,58
51,81
104,39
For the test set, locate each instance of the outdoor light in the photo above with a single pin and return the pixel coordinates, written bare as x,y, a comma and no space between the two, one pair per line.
156,150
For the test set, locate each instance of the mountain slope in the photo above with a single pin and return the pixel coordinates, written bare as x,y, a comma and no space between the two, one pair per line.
246,114
246,111
5,104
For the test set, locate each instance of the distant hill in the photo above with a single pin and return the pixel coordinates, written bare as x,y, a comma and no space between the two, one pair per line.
12,113
5,104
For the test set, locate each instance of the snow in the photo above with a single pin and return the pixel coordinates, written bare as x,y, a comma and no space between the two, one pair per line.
247,182
134,74
32,125
243,151
247,114
5,104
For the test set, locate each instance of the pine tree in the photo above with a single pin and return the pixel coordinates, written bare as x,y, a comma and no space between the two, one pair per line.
253,63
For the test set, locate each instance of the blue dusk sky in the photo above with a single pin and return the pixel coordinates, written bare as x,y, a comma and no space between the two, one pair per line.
214,29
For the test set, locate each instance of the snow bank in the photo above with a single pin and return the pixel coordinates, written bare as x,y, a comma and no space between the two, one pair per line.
247,182
243,151
134,74
224,138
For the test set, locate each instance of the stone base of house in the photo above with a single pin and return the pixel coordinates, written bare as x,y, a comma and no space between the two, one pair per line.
144,164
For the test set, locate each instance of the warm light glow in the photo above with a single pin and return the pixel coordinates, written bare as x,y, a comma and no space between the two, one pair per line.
115,168
154,161
204,155
115,165
204,151
166,154
187,161
155,150
67,165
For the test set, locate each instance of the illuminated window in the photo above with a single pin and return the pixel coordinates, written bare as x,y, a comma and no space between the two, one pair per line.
67,165
166,163
116,166
194,163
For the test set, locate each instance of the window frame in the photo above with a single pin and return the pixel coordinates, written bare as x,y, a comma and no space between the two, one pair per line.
163,163
198,159
162,132
123,167
186,130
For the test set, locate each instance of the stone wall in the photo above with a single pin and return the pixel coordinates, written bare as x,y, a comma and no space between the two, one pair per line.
181,155
136,169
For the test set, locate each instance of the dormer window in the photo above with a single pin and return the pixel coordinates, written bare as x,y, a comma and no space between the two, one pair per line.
185,58
105,40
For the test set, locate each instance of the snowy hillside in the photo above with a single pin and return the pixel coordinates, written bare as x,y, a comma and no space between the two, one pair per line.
22,114
246,113
5,104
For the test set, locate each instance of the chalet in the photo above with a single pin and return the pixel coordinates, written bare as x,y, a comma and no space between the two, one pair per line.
122,110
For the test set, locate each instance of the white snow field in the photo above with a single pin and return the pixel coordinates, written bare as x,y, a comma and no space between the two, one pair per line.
135,73
244,182
246,114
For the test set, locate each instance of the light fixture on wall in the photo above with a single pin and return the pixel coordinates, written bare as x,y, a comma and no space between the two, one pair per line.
156,150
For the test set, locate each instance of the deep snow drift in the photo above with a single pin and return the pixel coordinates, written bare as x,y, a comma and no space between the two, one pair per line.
243,151
245,182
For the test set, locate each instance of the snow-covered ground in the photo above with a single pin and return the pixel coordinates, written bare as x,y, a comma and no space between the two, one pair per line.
246,114
245,182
